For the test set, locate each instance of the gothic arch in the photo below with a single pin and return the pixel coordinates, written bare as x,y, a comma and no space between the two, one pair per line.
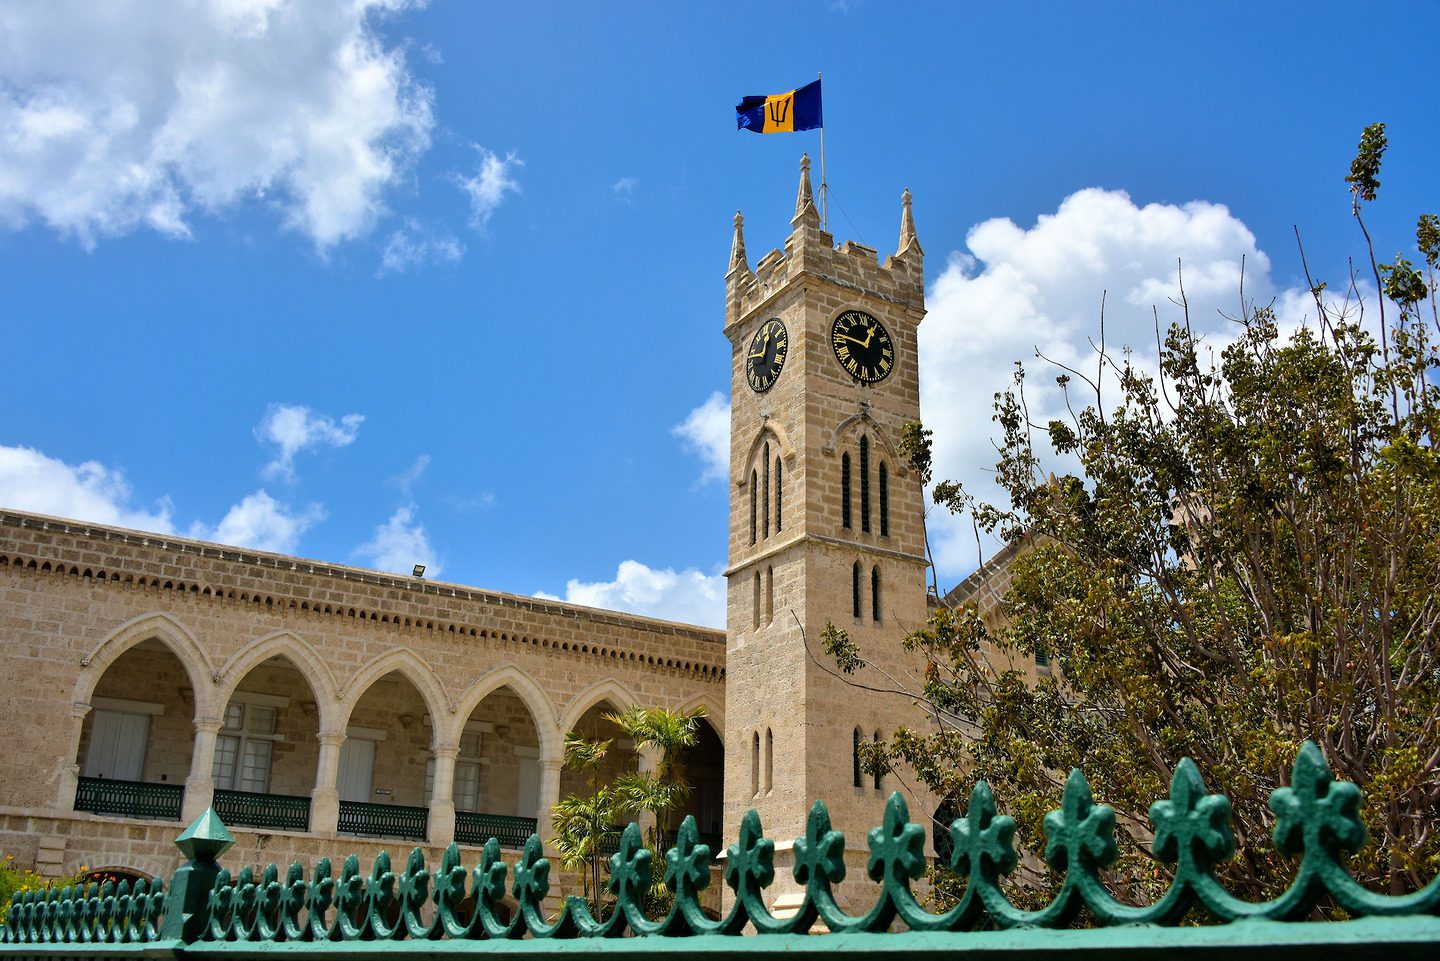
304,659
414,668
542,712
877,434
772,430
607,689
714,712
170,632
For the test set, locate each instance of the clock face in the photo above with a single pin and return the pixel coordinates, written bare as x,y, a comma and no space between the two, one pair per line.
766,356
863,346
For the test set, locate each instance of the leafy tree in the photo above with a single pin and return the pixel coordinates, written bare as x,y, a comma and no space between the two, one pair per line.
585,826
1247,556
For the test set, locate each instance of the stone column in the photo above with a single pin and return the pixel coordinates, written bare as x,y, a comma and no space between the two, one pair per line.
549,797
325,799
200,784
442,801
69,768
647,762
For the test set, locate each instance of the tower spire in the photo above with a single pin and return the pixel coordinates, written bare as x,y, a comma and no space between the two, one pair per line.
907,226
738,261
805,211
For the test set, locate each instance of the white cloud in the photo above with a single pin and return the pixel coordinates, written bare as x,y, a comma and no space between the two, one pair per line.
493,179
30,481
688,596
706,431
624,189
399,544
293,429
263,523
413,246
1018,290
131,113
410,476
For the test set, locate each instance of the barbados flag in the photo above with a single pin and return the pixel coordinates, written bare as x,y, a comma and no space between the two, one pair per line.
782,113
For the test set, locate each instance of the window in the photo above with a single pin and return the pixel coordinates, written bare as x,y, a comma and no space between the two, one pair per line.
755,765
755,603
769,760
766,491
244,745
875,594
878,776
855,738
769,595
884,501
845,490
1042,656
865,484
754,493
779,494
466,792
855,589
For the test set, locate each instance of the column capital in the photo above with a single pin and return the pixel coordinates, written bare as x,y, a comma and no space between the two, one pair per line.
331,738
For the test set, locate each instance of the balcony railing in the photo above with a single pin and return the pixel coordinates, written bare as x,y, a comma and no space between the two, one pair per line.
668,839
282,812
384,820
511,832
129,799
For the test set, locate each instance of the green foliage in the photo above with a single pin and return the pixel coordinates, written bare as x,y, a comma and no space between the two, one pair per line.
14,879
1247,556
584,826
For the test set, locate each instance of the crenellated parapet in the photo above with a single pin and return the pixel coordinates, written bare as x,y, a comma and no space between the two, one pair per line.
810,251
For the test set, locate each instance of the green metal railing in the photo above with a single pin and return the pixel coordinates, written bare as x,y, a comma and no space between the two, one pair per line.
383,820
205,911
711,839
129,799
282,812
511,832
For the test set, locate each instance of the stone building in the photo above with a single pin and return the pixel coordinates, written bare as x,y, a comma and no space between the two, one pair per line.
323,709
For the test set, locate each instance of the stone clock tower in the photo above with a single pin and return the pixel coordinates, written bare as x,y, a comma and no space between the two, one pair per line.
826,523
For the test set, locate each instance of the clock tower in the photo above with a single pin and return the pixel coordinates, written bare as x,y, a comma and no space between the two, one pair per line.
826,521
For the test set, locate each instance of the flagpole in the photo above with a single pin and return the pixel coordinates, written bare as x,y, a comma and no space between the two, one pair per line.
824,187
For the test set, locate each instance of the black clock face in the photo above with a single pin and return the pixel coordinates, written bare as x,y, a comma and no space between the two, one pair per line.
863,346
766,356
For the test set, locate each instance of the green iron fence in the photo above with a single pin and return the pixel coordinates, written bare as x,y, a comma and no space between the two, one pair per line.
282,812
511,832
383,820
413,911
129,799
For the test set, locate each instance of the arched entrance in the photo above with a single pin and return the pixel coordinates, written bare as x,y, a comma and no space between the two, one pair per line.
137,740
497,772
384,760
266,750
702,766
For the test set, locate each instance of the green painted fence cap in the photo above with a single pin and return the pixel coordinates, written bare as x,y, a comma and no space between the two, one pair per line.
206,838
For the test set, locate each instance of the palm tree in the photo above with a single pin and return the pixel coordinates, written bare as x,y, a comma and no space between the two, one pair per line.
660,791
582,827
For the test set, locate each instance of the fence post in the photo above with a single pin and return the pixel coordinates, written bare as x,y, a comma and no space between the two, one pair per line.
202,842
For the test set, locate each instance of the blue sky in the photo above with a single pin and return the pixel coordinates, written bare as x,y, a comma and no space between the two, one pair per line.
384,282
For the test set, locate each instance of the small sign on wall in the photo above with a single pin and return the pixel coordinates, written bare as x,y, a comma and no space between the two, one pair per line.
382,792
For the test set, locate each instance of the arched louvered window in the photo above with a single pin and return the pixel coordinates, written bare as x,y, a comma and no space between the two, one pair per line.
754,506
769,595
855,589
845,490
755,766
755,603
878,775
855,738
884,501
779,493
875,594
765,490
865,484
769,760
